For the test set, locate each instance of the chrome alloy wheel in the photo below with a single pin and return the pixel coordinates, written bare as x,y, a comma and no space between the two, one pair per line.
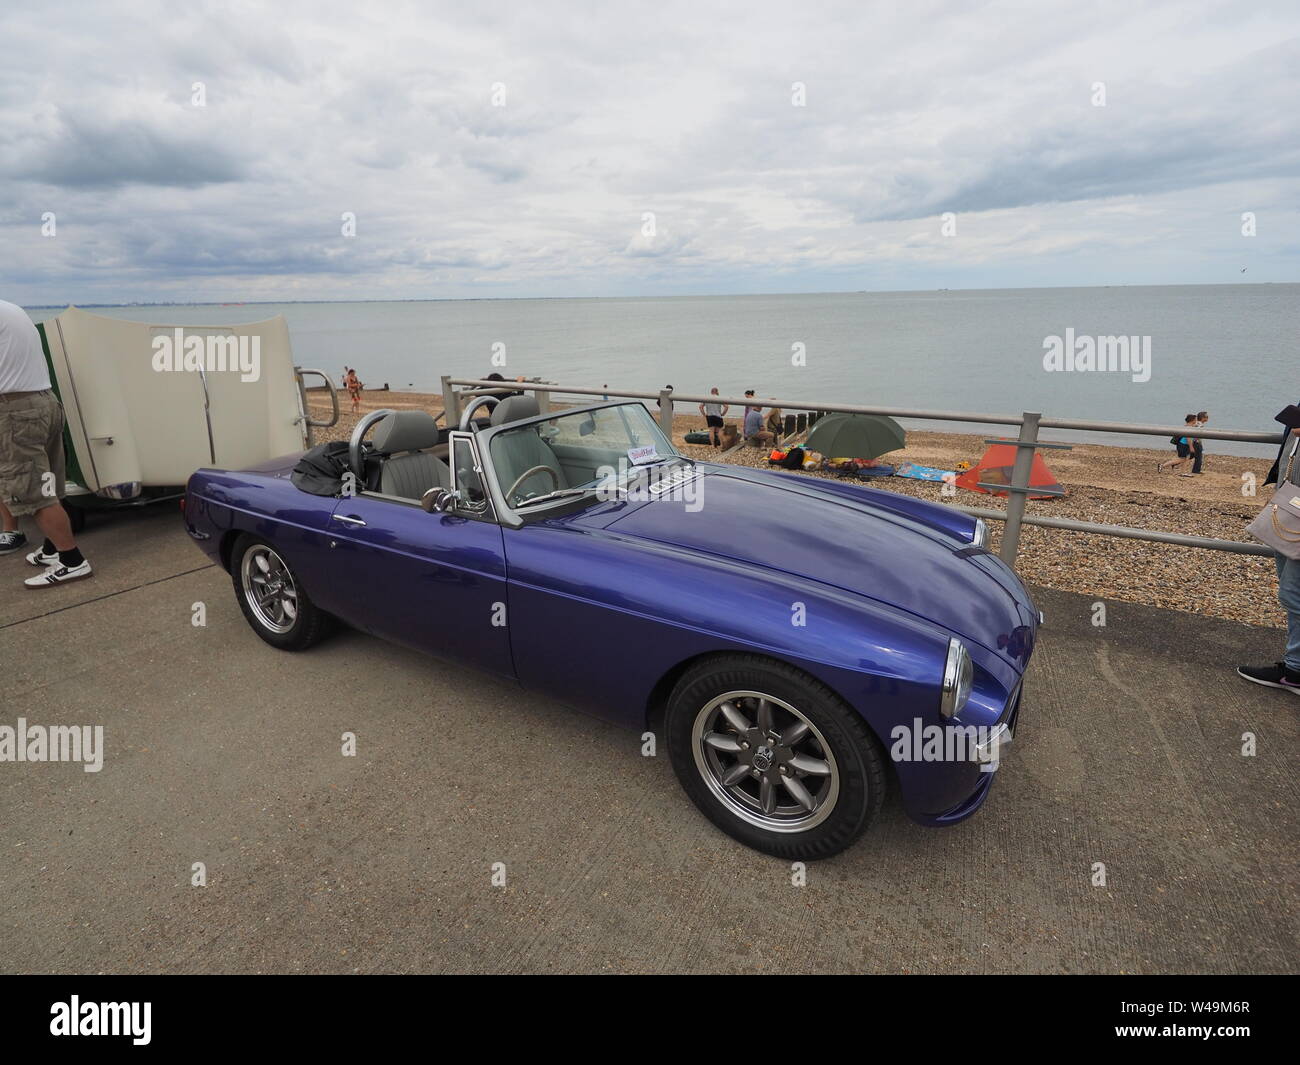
269,588
767,762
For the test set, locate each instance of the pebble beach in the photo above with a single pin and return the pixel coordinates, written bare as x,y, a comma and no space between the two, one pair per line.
1105,484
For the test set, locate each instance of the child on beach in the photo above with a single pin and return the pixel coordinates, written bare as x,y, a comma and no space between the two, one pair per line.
1183,445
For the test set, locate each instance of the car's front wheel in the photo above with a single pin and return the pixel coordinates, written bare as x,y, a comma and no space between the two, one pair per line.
773,757
272,598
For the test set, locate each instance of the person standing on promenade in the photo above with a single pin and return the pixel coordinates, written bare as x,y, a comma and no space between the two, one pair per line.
1198,446
713,414
1183,445
1284,674
31,449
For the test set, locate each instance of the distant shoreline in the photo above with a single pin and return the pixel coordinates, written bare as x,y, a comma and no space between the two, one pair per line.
672,296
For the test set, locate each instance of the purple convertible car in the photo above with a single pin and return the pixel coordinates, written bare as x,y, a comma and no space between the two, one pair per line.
802,641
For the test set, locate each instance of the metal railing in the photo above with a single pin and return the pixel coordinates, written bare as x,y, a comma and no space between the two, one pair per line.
1026,444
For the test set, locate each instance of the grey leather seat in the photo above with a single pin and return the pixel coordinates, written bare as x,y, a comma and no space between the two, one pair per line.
514,409
407,468
514,453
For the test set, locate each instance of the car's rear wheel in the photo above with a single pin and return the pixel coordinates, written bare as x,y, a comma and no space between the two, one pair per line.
773,757
272,598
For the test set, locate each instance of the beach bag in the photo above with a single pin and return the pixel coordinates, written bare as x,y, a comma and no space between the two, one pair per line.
321,470
1278,524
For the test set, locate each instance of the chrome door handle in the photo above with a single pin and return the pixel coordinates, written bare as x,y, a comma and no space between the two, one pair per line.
350,521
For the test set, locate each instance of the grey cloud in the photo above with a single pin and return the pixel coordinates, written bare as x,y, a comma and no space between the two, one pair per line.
87,152
682,109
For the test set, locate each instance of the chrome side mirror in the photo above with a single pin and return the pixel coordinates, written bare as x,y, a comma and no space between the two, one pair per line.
438,500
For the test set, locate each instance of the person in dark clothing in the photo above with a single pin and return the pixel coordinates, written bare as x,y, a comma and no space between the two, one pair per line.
1286,673
1183,446
1198,447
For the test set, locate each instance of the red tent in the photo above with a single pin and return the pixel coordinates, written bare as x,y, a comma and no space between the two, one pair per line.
996,466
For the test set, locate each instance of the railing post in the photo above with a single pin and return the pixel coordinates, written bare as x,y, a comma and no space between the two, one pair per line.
666,412
543,398
450,402
1019,493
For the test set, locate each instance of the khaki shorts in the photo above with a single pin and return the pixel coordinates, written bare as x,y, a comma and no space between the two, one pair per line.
31,451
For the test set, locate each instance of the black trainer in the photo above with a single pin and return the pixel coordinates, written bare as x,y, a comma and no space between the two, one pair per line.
12,541
1274,676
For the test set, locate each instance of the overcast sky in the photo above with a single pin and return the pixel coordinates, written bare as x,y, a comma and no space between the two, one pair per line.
514,149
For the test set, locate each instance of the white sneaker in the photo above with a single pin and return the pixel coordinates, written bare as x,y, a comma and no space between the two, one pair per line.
59,574
41,560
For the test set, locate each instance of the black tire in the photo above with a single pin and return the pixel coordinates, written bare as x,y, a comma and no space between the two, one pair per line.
856,762
309,625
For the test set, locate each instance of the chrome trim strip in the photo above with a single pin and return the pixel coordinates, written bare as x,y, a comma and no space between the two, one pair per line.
207,415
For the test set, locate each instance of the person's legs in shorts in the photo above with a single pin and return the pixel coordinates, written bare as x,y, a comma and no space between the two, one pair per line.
1184,453
31,482
714,424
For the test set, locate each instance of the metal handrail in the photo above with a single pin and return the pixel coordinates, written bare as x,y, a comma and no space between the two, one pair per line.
1029,423
300,373
977,417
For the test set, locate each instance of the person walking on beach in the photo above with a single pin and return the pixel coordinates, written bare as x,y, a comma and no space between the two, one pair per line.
1183,446
1198,447
1284,674
354,386
713,414
31,450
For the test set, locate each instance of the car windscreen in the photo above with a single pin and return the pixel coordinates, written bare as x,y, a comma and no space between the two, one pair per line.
583,450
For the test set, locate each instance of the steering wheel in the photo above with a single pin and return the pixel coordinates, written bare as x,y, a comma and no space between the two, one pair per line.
555,478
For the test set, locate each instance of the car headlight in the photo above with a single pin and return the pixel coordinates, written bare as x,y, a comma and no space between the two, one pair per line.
980,537
958,676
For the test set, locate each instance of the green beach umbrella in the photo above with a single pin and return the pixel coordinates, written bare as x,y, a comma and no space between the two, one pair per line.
855,436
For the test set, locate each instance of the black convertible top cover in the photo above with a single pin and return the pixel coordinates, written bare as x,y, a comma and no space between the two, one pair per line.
321,470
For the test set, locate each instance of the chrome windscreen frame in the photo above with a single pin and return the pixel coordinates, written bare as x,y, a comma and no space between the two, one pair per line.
506,514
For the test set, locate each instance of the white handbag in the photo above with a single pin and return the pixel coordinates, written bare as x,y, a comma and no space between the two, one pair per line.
1278,524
